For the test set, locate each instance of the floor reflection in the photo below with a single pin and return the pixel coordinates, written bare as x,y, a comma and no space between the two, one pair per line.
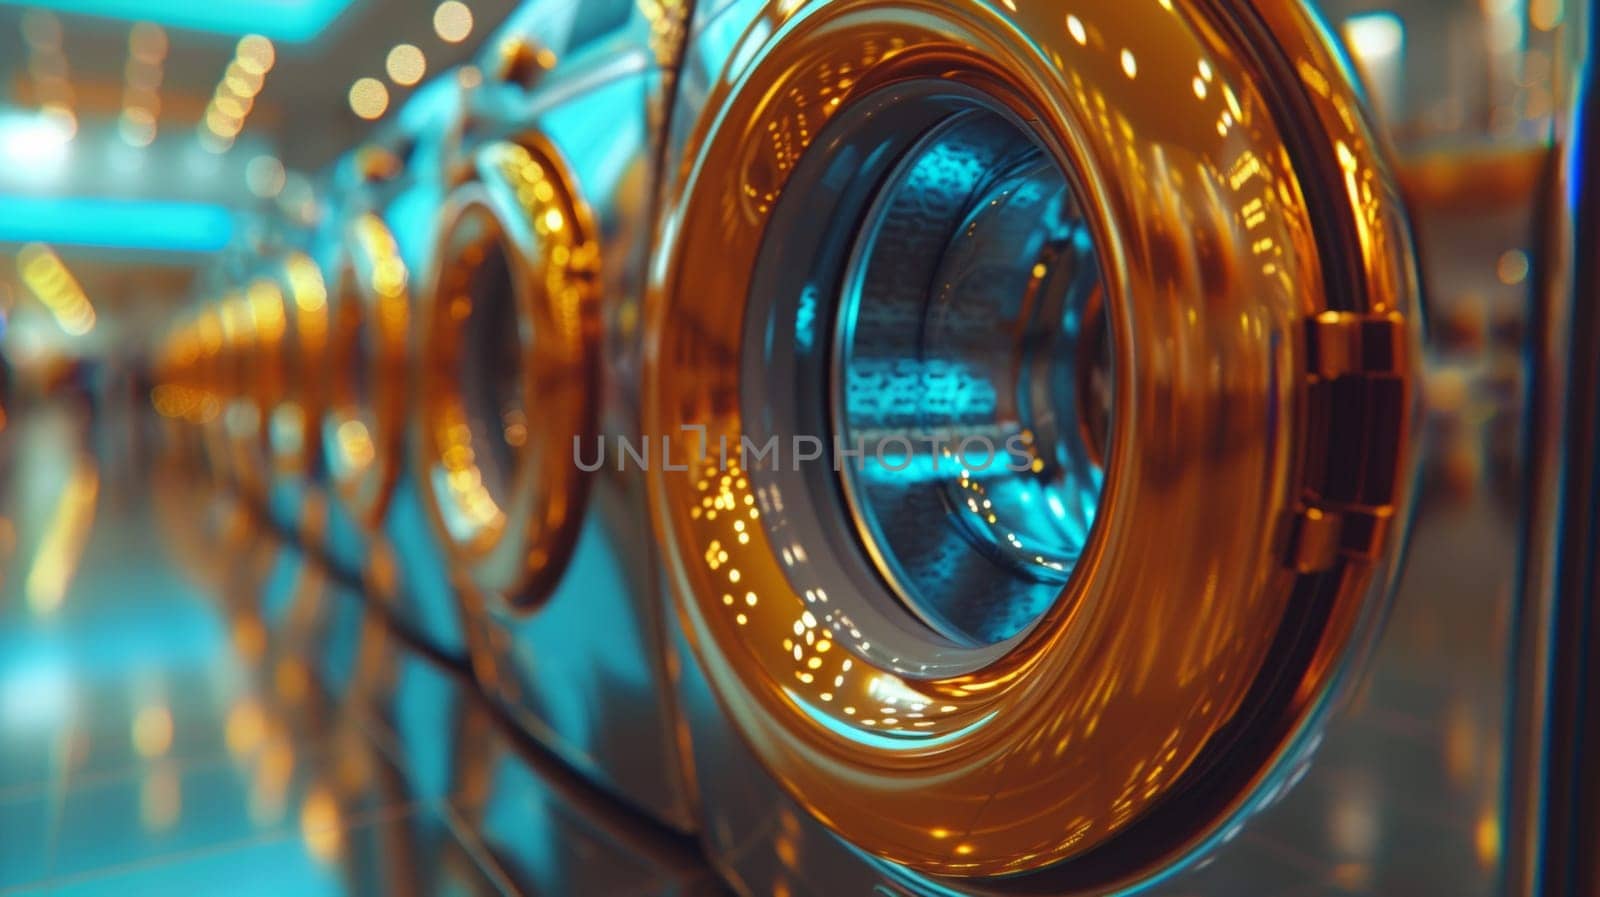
190,706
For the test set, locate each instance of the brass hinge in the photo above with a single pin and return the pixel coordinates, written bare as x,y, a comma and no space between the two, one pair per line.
1358,385
1346,344
1320,537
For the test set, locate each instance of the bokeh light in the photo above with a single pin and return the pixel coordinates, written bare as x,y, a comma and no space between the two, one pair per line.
369,98
406,65
452,21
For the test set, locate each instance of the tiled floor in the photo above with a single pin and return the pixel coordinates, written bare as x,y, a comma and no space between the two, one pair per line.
187,706
190,706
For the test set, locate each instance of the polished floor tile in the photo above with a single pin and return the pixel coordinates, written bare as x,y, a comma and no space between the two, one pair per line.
192,706
189,705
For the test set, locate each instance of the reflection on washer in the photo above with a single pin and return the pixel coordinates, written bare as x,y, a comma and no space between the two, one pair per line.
532,342
1151,543
377,246
1103,701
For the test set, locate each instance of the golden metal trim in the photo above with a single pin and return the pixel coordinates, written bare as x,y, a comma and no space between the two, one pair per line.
522,199
297,410
362,434
1211,255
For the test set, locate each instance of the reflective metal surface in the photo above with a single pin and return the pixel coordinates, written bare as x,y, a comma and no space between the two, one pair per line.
375,247
1264,377
1554,791
798,447
955,345
553,562
503,491
370,325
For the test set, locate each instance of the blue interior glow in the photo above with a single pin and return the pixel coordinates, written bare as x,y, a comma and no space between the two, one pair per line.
290,21
104,223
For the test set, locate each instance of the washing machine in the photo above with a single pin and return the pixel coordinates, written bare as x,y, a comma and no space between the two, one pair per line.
237,431
184,390
1044,385
211,372
529,342
379,255
277,314
237,323
294,298
202,523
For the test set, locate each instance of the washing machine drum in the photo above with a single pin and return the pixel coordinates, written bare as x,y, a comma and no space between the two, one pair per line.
1041,380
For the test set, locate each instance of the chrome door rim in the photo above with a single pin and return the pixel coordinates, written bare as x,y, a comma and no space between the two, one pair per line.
368,336
294,427
885,759
510,521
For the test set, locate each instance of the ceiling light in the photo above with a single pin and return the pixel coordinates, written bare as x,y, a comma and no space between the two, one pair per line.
255,54
147,47
61,118
148,42
141,98
235,96
369,98
452,21
35,138
42,30
215,143
406,65
141,74
264,176
284,21
218,123
1374,35
116,223
45,274
47,64
241,83
137,126
230,106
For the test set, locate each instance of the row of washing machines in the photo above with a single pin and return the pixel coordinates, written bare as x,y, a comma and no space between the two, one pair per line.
914,447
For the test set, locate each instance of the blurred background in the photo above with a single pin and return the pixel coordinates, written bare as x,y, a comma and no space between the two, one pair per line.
157,736
139,138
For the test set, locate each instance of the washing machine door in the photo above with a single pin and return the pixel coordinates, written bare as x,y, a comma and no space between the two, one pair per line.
295,403
510,370
376,530
212,370
1042,386
251,322
529,351
368,330
293,427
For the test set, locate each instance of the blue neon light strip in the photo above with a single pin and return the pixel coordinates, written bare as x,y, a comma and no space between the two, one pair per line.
149,225
290,21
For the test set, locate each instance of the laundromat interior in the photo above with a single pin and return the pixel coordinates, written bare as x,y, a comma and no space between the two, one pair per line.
806,448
